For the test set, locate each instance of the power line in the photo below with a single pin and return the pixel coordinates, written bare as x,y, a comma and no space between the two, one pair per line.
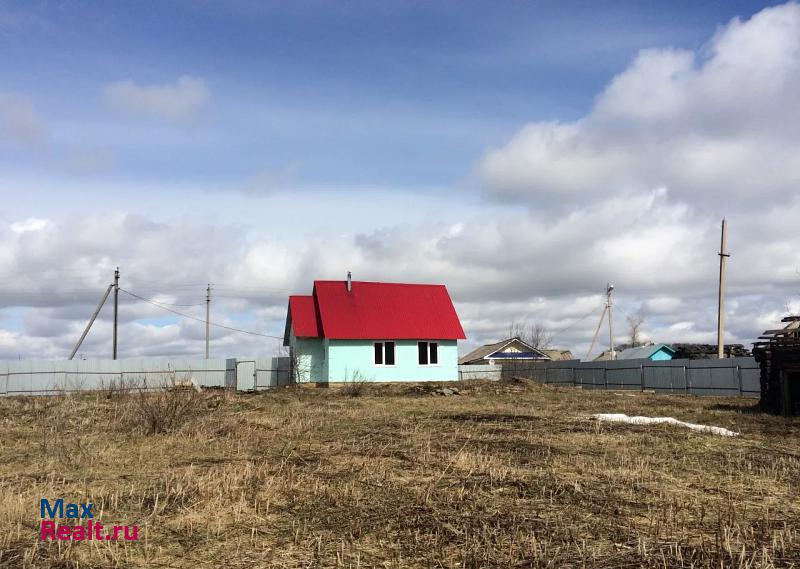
217,285
159,305
571,324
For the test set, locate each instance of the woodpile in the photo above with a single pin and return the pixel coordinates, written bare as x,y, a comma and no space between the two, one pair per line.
708,351
778,354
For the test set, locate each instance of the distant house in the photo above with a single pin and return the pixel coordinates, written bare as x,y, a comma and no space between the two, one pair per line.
558,355
511,349
654,352
604,356
374,331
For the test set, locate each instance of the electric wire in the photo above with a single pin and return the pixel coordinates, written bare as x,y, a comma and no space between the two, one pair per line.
159,305
158,302
573,323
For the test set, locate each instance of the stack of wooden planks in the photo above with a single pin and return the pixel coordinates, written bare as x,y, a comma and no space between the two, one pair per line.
778,354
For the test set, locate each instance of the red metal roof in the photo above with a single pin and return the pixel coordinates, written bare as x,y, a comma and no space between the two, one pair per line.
303,312
389,311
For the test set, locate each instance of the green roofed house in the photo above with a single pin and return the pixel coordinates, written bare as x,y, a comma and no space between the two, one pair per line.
654,352
347,330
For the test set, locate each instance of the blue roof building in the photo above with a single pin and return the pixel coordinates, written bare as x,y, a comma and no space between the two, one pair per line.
654,352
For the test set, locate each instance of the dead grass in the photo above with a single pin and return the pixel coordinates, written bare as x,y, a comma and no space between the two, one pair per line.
500,476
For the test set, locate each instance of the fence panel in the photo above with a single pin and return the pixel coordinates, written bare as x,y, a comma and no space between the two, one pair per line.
34,377
750,377
726,377
589,377
713,377
625,374
272,372
490,372
38,378
662,377
560,376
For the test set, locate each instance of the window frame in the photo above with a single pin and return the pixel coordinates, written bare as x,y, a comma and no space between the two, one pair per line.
383,353
428,352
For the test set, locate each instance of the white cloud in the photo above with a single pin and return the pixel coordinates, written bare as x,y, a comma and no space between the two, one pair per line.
178,104
508,267
720,124
54,272
30,224
19,121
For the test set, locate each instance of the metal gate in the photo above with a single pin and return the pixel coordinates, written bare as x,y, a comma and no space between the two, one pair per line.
246,375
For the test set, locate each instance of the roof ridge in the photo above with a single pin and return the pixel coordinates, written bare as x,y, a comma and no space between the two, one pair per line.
380,283
422,311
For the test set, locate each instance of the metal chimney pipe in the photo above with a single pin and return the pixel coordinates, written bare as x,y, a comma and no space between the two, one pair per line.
349,282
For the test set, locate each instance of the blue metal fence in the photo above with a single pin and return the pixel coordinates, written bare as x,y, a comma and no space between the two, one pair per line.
725,377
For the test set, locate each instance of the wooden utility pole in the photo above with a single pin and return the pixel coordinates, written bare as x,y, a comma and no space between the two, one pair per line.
723,257
208,314
116,311
91,321
609,288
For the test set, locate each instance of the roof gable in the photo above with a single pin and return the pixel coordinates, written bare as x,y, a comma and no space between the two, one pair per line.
373,310
515,347
643,352
500,350
303,318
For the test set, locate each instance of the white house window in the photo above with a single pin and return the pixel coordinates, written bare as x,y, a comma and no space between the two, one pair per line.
384,353
428,353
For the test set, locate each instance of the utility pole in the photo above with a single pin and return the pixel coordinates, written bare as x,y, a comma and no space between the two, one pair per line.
208,314
723,257
91,321
609,289
116,311
596,332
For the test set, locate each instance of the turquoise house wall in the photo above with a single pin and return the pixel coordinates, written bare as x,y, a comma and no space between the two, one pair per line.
310,358
325,363
348,357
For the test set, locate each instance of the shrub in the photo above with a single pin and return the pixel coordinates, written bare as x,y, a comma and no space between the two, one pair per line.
355,385
163,409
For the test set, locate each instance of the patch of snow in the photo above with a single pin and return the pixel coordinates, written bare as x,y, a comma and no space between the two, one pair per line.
623,418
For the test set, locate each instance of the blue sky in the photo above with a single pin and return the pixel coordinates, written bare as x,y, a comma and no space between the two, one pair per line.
334,93
404,140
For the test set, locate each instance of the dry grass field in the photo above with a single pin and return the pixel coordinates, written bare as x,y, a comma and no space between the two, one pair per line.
499,476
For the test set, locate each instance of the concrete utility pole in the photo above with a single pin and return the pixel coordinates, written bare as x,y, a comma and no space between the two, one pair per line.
116,311
208,314
597,331
723,257
609,289
91,321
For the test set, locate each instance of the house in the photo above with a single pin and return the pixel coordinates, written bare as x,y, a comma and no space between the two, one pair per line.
604,356
355,330
510,349
558,355
654,352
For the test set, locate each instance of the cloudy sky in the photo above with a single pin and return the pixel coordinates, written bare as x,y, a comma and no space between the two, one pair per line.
523,154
